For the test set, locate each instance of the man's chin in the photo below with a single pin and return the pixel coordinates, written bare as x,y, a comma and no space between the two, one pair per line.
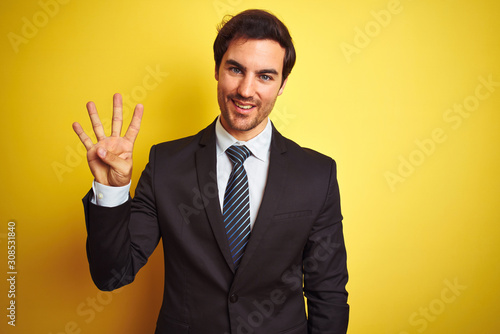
241,124
241,127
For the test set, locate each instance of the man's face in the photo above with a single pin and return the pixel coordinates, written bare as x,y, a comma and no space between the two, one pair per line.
249,81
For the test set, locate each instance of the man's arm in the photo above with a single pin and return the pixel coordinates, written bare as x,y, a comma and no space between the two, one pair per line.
325,269
120,239
113,257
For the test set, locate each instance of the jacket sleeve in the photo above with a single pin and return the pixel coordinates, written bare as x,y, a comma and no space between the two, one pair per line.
325,269
121,239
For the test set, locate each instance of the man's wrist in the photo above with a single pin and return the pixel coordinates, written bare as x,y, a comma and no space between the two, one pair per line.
108,196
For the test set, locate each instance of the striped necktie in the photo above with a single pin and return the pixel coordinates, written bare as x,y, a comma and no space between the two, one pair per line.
236,210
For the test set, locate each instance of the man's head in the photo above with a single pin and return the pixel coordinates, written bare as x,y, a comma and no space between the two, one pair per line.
255,24
254,55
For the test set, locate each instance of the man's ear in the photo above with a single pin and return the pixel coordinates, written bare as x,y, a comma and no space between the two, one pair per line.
282,87
216,73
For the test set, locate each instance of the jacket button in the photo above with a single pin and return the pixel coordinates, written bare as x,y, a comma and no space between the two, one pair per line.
233,298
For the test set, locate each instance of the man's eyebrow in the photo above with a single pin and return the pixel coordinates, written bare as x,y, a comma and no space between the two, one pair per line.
263,71
268,71
235,63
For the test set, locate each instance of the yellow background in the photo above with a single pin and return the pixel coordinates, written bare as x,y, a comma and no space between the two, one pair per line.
408,238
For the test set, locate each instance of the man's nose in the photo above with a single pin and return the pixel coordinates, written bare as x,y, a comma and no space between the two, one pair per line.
246,87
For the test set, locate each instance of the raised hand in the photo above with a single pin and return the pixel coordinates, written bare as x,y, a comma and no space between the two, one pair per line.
110,159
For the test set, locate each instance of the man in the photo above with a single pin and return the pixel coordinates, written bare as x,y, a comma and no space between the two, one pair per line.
250,221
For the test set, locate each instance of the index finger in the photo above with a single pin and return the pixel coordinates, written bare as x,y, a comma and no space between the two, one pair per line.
135,123
84,138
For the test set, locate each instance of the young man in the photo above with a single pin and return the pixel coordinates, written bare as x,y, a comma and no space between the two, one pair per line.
250,221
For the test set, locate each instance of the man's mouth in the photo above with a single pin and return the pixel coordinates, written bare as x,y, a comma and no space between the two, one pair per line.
243,106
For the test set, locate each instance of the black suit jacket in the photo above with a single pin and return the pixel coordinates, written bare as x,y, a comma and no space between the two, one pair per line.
296,245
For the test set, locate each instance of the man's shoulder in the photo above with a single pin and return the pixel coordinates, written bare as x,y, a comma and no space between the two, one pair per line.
177,144
309,165
300,153
185,144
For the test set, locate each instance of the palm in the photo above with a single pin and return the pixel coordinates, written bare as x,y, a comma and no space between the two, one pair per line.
102,172
110,159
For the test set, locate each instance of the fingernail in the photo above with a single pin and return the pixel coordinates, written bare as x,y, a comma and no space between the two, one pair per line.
101,152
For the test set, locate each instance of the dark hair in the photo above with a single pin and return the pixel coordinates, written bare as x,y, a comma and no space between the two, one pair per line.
254,24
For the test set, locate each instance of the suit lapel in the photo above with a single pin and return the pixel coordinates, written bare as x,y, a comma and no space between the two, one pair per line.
276,178
206,168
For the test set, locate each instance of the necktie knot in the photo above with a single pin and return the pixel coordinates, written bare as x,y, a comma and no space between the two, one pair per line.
238,154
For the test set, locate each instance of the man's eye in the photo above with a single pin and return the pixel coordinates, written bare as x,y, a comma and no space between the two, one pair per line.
235,70
265,77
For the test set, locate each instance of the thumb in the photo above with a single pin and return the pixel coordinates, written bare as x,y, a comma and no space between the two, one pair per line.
102,153
120,169
112,160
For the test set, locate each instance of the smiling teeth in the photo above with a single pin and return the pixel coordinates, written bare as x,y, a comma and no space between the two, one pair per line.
242,106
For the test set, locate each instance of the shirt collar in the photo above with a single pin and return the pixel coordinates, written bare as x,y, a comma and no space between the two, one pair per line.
258,145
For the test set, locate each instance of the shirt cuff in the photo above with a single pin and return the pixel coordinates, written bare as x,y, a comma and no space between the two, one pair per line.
108,196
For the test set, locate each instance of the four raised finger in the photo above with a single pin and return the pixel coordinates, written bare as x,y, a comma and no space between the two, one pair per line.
117,123
84,138
96,121
135,123
116,126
